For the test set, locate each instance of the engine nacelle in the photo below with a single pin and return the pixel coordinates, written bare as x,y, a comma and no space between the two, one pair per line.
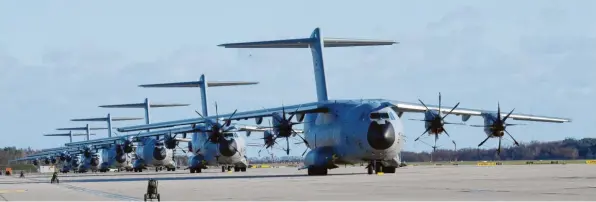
259,120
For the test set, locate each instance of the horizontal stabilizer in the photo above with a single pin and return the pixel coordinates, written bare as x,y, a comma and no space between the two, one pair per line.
142,105
305,43
106,119
84,128
67,134
197,84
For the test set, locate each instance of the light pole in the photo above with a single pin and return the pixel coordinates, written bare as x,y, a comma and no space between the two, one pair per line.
454,150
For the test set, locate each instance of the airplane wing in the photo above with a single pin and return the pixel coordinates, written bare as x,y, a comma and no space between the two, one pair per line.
402,107
313,107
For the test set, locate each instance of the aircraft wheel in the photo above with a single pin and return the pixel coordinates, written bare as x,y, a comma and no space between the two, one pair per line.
156,169
370,169
317,171
229,168
389,169
199,170
236,169
192,170
243,169
223,169
173,169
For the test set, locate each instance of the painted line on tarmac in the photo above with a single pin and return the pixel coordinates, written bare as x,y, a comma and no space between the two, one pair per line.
96,192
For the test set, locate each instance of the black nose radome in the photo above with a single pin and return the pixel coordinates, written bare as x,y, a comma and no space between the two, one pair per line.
381,136
121,158
227,147
94,161
159,153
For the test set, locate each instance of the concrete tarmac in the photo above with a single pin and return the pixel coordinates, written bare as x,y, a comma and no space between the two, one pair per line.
516,182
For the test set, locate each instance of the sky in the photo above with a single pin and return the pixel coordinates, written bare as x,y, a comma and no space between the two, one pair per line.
60,60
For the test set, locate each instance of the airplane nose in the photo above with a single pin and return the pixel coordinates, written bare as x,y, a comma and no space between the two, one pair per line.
94,161
159,153
121,158
381,136
227,147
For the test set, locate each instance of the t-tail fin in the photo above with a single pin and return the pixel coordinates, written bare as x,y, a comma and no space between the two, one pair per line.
315,43
146,105
199,84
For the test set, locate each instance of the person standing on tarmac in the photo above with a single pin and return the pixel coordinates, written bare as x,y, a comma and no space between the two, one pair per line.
55,178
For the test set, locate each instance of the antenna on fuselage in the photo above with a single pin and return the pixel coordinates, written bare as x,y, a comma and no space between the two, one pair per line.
109,120
315,42
146,105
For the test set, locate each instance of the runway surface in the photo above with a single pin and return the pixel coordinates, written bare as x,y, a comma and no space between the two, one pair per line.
521,182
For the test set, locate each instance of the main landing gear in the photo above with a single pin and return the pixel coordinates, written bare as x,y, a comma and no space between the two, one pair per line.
236,169
377,167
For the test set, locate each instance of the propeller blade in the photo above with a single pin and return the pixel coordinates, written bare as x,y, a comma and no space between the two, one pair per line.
422,134
199,114
498,111
423,105
483,141
451,110
504,119
481,125
446,133
514,141
439,103
292,115
229,121
499,148
288,146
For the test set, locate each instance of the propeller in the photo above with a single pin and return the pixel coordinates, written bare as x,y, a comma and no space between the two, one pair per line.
217,129
498,128
435,123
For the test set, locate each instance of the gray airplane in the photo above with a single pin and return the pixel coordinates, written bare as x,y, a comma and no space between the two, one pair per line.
345,131
231,153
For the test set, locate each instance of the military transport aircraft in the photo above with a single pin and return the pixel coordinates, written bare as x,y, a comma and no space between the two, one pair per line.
347,131
228,151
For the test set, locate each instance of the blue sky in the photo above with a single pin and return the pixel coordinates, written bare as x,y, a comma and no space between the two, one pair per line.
61,59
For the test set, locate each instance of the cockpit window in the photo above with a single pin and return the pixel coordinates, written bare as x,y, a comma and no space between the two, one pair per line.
379,115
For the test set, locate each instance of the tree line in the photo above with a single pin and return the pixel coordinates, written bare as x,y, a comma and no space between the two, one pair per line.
567,149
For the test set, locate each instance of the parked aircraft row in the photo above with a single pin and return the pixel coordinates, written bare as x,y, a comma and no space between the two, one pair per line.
335,131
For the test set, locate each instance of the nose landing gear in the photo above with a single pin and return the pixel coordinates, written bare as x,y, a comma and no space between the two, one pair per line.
378,167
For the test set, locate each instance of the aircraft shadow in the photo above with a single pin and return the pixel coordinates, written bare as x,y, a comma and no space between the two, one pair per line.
200,177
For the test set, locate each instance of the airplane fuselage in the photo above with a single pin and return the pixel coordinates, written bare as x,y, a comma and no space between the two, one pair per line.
152,153
111,158
207,153
348,134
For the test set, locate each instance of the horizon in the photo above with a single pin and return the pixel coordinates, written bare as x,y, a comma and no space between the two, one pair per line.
60,61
